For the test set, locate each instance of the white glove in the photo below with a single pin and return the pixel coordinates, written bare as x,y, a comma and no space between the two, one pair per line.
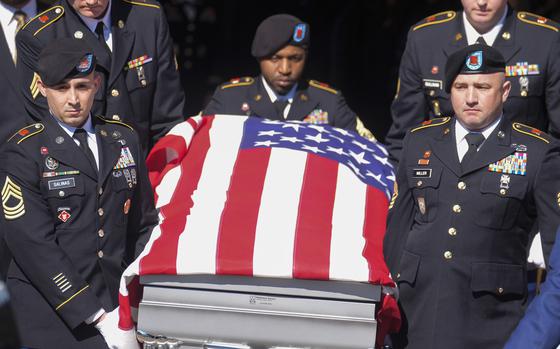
536,255
113,335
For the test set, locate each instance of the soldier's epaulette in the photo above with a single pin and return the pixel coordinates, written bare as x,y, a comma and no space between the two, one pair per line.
236,82
26,132
431,123
537,20
441,17
44,19
145,3
118,122
531,131
322,86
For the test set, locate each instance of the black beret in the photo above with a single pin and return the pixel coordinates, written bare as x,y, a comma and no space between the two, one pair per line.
278,31
63,59
473,59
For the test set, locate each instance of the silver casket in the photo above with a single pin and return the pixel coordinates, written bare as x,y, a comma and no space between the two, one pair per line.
224,311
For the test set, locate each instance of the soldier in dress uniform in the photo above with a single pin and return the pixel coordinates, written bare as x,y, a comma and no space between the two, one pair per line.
140,83
530,45
76,207
469,189
279,93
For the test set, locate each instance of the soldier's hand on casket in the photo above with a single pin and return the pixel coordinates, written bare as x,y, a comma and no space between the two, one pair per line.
116,338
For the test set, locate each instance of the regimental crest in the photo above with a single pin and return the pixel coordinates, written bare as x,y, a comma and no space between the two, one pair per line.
474,60
12,200
85,63
513,164
299,32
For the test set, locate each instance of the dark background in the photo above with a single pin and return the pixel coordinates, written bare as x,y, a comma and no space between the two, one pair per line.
356,45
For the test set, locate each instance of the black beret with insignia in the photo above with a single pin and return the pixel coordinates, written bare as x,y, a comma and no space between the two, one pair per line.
278,31
473,59
63,59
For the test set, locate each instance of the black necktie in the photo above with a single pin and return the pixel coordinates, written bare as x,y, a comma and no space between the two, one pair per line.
280,106
481,41
474,140
81,135
101,36
20,17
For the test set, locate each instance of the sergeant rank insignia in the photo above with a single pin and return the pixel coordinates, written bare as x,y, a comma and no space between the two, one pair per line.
513,164
12,200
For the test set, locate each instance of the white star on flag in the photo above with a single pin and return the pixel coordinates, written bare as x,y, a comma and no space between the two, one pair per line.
339,151
270,133
290,139
318,138
361,145
293,126
359,157
265,143
318,128
313,149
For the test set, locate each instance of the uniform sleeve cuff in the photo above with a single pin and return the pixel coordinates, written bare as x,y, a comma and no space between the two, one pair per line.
95,316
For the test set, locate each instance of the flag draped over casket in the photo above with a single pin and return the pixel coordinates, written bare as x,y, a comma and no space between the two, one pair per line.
254,197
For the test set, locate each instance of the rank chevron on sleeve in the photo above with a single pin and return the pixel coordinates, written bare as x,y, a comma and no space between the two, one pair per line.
12,200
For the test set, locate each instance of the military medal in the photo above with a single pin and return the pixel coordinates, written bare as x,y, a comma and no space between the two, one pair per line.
513,164
141,75
524,85
128,177
133,175
422,205
125,160
504,181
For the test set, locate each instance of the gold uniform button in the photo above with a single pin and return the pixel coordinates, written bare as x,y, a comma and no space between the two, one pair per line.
100,212
432,93
114,92
100,254
452,231
500,290
503,191
456,208
116,117
447,255
100,191
523,93
462,185
101,233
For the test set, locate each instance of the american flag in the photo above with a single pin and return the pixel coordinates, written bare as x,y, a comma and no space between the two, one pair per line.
248,196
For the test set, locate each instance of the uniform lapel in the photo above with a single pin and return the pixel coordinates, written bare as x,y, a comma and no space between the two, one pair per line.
65,150
123,39
302,105
457,38
505,41
109,150
444,148
496,147
259,101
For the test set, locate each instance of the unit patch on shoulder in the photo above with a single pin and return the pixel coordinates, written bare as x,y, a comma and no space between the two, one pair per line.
537,20
236,82
12,200
322,86
431,123
26,132
44,19
441,17
531,131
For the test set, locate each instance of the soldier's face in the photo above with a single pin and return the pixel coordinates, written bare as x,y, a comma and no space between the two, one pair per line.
90,8
283,69
478,99
71,101
484,14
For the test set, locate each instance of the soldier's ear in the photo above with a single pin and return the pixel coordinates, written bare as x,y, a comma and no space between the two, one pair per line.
42,87
506,89
96,80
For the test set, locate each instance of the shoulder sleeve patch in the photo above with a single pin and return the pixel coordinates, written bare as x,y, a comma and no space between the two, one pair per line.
537,20
236,82
117,122
431,123
438,18
26,132
142,3
531,131
322,86
44,19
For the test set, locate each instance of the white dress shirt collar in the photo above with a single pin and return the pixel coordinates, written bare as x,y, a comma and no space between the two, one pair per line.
490,36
